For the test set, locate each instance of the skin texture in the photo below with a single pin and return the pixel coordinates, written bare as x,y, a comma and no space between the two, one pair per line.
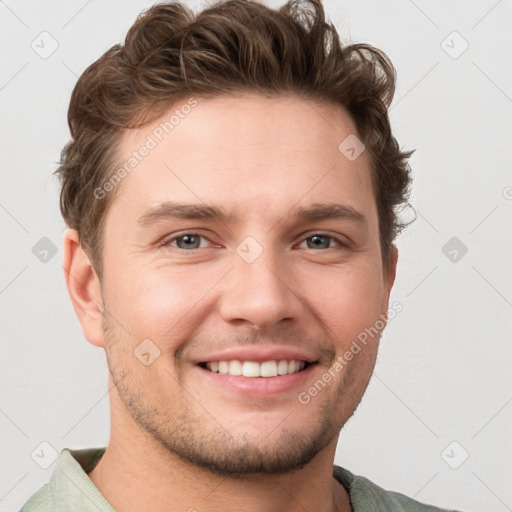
177,441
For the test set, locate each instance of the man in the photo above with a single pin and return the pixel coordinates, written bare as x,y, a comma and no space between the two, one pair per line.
230,188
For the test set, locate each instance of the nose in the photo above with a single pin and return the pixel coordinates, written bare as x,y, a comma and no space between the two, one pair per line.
262,293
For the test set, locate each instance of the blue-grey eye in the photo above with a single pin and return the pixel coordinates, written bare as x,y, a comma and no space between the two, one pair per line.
189,241
319,242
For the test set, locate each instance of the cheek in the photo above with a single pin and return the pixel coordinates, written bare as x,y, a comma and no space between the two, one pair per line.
347,300
158,304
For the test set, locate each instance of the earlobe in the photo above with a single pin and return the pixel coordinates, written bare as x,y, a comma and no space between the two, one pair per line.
84,288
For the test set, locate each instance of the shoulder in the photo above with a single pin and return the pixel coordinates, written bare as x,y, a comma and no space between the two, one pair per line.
41,501
369,497
69,486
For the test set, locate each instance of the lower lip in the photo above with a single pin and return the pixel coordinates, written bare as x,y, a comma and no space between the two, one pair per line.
267,386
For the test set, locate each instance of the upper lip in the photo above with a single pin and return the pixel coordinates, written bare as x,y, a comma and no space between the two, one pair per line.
259,355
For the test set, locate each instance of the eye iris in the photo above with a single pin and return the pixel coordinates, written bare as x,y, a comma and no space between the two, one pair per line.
317,241
187,239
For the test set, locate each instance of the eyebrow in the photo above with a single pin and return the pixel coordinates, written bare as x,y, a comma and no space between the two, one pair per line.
171,209
314,212
328,211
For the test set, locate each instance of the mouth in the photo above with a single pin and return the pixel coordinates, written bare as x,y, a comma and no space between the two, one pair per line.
254,379
254,369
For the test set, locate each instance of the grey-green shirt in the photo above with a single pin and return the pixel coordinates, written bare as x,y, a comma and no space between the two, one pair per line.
70,488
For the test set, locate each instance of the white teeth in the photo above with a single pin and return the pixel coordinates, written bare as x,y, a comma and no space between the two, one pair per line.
235,368
282,367
268,369
254,369
250,369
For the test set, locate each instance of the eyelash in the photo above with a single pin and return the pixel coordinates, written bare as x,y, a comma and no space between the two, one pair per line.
167,243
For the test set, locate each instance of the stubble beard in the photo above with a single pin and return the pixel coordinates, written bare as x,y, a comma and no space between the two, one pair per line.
198,438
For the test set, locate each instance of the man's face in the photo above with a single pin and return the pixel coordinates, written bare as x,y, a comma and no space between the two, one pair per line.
262,284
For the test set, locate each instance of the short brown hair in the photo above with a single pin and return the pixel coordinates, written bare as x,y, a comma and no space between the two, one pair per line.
171,53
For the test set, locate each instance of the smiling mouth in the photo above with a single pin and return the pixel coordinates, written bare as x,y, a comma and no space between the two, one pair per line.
272,368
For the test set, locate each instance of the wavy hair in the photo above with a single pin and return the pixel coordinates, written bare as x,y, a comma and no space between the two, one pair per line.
171,53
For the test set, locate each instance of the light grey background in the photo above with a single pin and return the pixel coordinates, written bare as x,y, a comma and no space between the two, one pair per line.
443,373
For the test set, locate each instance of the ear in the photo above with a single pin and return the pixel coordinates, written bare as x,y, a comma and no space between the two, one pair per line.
84,289
389,275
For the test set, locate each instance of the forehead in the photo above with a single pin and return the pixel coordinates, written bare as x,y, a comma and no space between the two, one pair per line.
250,152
